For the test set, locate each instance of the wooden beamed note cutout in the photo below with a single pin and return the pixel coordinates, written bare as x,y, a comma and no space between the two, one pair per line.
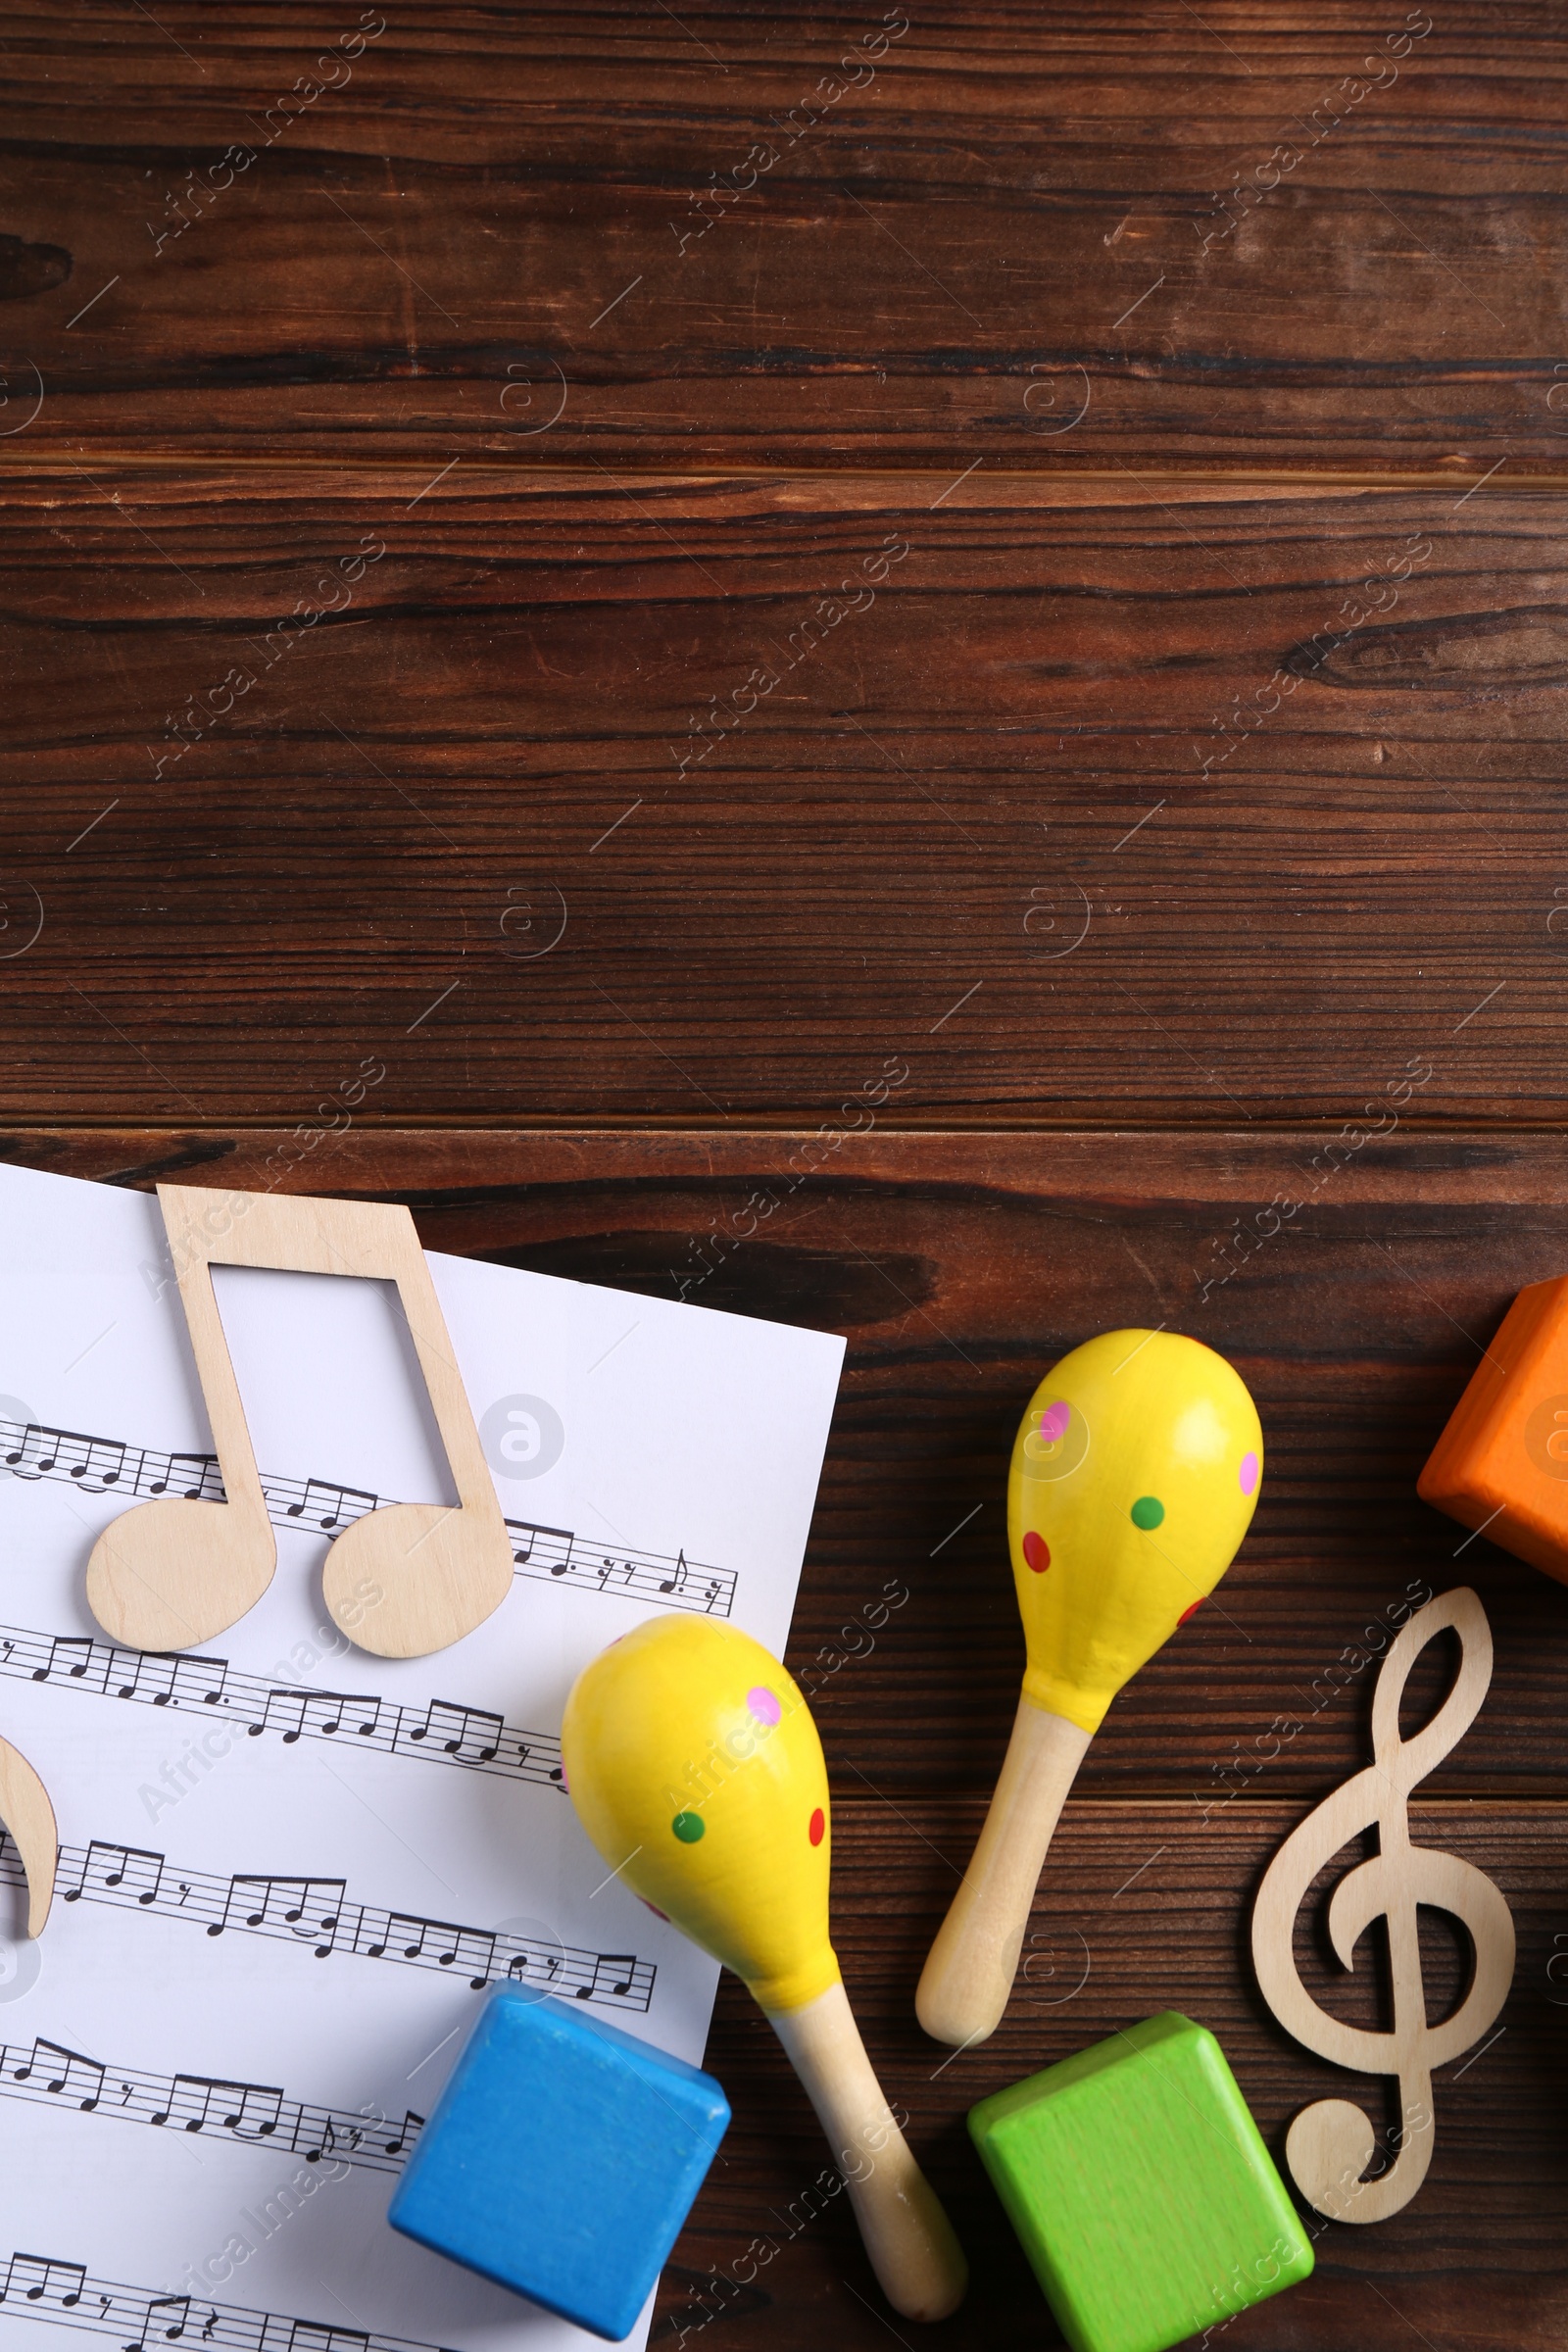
174,1573
25,1811
1330,2145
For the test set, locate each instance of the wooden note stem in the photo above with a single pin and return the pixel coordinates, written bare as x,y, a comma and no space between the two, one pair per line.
909,2240
969,1971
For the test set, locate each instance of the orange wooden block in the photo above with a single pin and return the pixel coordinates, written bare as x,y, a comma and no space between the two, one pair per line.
1503,1462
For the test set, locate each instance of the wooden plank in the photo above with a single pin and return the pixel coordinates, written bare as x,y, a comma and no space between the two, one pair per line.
1129,233
1142,1911
959,1267
707,798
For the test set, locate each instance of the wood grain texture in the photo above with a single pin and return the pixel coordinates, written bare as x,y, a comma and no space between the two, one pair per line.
960,1267
1146,1918
396,522
553,233
969,1971
1102,801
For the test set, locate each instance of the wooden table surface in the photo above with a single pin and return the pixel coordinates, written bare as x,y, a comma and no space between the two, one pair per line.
664,578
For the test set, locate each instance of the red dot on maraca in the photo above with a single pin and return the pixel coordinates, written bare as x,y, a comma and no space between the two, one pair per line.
819,1829
1036,1552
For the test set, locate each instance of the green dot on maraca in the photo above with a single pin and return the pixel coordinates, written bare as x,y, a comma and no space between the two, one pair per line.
1147,1511
688,1827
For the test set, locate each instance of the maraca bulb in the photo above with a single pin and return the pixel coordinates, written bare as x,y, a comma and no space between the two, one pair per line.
1134,1479
695,1766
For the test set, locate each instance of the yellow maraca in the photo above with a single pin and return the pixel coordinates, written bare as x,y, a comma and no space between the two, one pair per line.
1134,1478
695,1766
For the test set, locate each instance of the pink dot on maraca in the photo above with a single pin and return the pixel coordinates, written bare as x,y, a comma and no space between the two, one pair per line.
818,1828
1054,1421
1248,1472
764,1706
1036,1552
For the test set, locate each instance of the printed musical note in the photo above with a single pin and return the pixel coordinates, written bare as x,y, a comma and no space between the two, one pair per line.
316,1912
325,1505
247,2110
166,2317
621,1968
195,1683
408,1935
63,2292
191,1476
63,2074
131,1873
69,1654
550,1553
454,1729
147,1674
39,2277
310,1908
170,1574
94,1463
676,1582
548,1542
1330,2144
445,1733
254,2114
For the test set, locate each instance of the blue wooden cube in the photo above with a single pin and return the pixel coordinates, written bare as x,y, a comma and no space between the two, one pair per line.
562,2159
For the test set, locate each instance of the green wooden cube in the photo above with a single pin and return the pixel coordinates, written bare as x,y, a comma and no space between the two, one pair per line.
1144,2196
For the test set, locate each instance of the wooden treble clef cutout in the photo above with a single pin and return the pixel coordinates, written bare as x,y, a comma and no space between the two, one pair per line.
1330,2144
173,1573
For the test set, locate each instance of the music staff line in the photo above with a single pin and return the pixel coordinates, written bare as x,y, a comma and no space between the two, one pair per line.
33,1450
256,2115
39,2286
442,1731
316,1913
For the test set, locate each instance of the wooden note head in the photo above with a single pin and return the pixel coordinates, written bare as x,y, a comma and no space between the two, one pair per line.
1134,1478
25,1811
171,1575
402,1582
696,1769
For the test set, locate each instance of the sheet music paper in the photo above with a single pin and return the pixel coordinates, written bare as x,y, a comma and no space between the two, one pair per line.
290,1868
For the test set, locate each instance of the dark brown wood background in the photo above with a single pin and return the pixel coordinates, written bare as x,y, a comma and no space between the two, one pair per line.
1161,597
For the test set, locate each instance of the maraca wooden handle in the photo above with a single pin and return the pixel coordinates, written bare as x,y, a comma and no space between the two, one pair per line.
908,2237
970,1967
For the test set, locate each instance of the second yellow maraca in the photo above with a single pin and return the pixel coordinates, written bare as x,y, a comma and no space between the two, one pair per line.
695,1766
1134,1479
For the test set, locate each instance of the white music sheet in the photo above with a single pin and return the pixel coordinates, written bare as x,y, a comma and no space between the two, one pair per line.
287,1864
